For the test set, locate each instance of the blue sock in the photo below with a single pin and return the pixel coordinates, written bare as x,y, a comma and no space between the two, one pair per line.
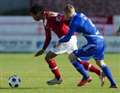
79,67
107,72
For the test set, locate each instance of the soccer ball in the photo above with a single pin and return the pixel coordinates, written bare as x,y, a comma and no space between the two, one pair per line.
14,81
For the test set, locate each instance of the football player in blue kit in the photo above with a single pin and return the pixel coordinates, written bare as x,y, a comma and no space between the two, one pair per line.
94,48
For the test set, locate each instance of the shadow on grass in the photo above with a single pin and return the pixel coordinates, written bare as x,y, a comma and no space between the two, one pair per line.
19,88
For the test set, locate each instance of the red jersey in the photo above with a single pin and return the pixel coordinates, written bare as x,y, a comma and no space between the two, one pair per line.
55,24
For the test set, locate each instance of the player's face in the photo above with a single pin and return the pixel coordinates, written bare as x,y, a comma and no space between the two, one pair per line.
67,16
37,16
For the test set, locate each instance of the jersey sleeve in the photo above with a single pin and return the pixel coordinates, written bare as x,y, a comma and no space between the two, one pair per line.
47,38
71,31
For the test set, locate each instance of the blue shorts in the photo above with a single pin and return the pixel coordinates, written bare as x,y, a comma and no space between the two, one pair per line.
95,51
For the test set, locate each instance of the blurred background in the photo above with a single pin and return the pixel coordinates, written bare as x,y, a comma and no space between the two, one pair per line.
20,33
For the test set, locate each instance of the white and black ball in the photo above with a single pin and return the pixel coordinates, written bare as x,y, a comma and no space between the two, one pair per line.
14,81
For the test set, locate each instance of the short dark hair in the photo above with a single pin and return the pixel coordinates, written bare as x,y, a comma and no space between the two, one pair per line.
36,8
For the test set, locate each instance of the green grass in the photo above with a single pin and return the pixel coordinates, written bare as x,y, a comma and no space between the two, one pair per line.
34,73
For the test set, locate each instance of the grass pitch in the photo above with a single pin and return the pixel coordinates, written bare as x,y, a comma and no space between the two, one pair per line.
34,73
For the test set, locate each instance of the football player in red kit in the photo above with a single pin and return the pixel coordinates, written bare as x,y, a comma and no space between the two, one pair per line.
55,22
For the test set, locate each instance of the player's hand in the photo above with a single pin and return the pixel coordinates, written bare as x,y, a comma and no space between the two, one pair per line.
40,52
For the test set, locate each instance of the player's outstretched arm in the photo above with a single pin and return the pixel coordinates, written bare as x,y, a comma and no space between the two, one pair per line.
46,43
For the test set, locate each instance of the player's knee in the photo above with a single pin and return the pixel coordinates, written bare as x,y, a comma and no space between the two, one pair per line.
100,63
72,57
47,57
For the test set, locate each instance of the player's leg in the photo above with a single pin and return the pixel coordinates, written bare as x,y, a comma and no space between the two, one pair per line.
72,47
99,57
85,53
54,68
80,68
92,68
95,70
52,63
107,73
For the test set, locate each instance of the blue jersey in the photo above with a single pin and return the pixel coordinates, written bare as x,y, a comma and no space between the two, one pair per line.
82,24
